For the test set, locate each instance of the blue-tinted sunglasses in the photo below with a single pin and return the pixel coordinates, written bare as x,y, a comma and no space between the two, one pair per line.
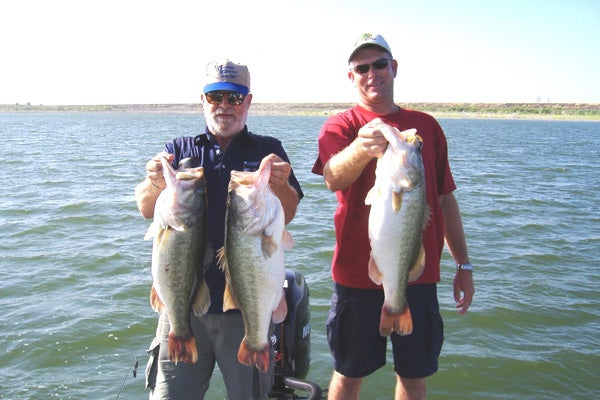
233,98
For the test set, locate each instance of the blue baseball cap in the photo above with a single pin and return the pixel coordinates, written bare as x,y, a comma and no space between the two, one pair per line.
227,75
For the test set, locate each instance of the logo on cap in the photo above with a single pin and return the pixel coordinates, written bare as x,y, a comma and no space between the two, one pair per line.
365,37
227,71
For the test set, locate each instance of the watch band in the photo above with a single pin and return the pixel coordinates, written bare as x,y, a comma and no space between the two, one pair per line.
464,267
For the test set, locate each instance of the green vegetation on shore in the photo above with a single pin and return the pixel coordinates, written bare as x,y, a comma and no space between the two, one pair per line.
449,110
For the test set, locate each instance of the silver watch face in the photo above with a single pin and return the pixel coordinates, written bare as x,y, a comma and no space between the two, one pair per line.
466,267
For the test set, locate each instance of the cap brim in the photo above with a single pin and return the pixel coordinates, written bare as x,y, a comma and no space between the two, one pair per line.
232,87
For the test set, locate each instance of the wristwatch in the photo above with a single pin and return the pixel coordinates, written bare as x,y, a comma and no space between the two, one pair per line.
464,267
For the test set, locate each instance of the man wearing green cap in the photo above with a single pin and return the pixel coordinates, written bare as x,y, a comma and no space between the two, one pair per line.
225,145
348,149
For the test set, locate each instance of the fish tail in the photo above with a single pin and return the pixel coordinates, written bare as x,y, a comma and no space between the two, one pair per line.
182,349
399,322
249,357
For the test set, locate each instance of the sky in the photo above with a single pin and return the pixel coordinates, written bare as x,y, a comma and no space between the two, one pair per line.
67,52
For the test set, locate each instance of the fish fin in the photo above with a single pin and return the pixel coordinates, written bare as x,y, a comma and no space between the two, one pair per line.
179,227
228,300
400,322
168,220
287,240
182,349
268,246
156,232
370,198
151,231
374,273
221,259
155,300
417,269
397,200
281,310
250,357
202,300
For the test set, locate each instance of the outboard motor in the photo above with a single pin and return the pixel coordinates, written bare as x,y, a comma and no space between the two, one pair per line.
291,342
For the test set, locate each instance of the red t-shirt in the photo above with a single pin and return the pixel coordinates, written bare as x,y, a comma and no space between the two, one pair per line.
352,249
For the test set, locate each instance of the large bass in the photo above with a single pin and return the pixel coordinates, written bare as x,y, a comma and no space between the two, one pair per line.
253,260
397,218
179,232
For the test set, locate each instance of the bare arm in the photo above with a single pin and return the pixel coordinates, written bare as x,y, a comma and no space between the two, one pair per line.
280,173
147,191
346,166
455,240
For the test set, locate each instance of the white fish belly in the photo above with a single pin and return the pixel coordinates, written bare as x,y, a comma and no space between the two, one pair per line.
395,243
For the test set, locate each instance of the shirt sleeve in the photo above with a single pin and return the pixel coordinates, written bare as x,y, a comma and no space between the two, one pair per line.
336,134
445,179
280,151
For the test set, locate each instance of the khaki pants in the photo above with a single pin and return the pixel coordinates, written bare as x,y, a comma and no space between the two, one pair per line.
218,337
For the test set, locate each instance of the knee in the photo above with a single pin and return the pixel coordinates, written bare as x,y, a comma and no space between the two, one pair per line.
347,381
343,387
411,389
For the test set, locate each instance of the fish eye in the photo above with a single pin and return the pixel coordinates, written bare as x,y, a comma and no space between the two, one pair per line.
419,141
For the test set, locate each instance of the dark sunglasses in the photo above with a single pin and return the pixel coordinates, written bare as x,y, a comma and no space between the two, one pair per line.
364,68
233,98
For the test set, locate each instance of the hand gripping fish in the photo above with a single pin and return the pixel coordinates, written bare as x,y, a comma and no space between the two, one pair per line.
398,215
179,232
253,260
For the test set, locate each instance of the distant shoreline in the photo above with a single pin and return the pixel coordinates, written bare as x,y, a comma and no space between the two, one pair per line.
564,111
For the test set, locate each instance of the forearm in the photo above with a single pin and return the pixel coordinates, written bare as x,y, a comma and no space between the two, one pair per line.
146,193
453,229
288,197
345,167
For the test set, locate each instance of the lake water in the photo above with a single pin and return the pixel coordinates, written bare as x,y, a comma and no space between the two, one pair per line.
75,270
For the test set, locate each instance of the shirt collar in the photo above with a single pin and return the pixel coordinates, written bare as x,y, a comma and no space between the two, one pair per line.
207,137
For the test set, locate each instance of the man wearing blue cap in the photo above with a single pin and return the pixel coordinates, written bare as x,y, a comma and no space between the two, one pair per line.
348,149
225,145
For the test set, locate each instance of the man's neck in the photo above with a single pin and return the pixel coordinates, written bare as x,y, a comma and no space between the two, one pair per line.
383,109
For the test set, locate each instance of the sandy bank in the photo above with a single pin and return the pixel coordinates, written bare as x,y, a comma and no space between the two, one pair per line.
440,110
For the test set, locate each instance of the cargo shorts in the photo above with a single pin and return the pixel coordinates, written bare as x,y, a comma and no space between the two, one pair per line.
218,337
359,350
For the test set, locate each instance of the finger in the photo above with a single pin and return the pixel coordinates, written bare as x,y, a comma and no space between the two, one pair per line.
273,158
155,175
462,307
281,169
464,304
457,294
277,180
153,165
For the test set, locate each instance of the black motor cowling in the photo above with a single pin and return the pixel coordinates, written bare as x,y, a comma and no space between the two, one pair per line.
291,342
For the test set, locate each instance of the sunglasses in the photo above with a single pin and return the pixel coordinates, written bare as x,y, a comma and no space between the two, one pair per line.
364,68
233,98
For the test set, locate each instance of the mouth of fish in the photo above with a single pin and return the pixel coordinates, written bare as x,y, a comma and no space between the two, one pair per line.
188,176
242,182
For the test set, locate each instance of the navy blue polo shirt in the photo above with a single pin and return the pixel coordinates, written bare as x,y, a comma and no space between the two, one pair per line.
244,153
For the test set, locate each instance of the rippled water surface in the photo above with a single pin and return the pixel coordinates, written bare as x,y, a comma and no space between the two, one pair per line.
75,273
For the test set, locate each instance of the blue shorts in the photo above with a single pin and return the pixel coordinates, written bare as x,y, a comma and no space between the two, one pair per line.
359,350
